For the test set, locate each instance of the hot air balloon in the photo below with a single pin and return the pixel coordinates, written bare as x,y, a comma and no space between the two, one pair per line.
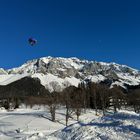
32,41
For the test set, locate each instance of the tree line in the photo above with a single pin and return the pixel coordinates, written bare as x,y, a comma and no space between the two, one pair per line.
97,96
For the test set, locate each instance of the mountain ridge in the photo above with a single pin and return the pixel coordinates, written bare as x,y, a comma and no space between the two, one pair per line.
57,73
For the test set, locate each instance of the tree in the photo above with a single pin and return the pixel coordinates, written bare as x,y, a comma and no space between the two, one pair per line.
67,97
92,89
78,101
85,95
117,98
104,96
52,101
134,99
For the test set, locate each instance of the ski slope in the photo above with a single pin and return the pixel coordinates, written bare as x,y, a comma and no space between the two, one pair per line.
7,79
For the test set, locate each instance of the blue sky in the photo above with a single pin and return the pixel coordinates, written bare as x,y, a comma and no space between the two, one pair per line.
101,30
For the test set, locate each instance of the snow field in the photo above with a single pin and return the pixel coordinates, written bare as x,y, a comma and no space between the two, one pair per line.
36,124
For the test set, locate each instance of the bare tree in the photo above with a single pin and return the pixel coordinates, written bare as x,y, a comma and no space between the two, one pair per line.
134,99
52,102
104,96
78,102
92,88
67,100
116,98
85,95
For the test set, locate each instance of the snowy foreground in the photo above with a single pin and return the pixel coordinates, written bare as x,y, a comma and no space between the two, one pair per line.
34,124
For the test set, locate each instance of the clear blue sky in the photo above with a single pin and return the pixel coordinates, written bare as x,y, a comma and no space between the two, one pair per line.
101,30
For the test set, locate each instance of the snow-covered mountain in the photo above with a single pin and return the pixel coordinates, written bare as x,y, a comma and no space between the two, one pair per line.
59,73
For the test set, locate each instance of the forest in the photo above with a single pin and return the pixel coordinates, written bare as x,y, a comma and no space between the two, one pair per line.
76,100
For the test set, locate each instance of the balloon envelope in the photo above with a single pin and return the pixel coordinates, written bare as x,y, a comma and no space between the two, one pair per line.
32,41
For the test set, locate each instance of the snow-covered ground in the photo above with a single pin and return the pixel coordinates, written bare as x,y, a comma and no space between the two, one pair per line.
35,124
30,123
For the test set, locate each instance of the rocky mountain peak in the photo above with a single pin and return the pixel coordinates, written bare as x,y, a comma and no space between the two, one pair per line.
60,71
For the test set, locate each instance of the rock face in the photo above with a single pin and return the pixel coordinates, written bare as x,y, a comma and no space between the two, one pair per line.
58,73
2,71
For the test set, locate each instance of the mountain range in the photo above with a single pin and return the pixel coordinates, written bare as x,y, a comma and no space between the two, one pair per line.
57,73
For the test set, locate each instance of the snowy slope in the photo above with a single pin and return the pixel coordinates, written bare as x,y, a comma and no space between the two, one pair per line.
35,124
52,82
58,73
7,79
124,125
